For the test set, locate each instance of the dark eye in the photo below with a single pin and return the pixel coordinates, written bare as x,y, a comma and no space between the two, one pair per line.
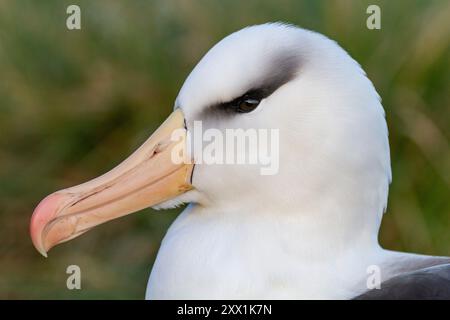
247,104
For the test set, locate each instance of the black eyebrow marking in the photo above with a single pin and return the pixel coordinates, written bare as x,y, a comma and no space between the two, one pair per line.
283,67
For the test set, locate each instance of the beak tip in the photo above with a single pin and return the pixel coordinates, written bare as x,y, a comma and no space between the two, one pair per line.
42,252
42,215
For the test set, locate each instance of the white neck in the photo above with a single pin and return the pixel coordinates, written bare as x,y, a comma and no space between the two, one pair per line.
241,254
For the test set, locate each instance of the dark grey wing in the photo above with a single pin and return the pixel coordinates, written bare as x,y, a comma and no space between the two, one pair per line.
431,283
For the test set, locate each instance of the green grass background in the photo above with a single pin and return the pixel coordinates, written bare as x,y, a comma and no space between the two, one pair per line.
74,103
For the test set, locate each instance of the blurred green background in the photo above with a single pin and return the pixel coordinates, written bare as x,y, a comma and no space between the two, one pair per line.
74,103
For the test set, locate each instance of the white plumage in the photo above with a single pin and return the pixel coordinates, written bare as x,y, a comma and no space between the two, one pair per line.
311,230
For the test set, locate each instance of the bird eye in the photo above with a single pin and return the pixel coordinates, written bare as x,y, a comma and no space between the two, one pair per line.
247,105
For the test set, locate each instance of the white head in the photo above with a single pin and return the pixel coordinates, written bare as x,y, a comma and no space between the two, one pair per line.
334,164
334,151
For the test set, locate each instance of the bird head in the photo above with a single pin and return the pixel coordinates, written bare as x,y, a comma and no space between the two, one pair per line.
296,94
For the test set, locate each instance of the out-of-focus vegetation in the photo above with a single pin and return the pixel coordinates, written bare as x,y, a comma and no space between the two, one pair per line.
75,103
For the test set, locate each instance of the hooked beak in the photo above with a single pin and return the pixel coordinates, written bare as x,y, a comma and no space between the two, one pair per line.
146,178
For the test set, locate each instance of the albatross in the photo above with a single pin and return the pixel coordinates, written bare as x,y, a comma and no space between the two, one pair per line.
310,231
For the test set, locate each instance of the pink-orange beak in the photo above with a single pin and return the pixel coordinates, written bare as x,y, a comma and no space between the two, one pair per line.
148,177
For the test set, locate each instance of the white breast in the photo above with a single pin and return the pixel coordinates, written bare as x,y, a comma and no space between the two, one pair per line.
210,256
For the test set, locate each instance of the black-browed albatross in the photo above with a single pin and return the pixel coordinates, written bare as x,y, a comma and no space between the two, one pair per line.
308,232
